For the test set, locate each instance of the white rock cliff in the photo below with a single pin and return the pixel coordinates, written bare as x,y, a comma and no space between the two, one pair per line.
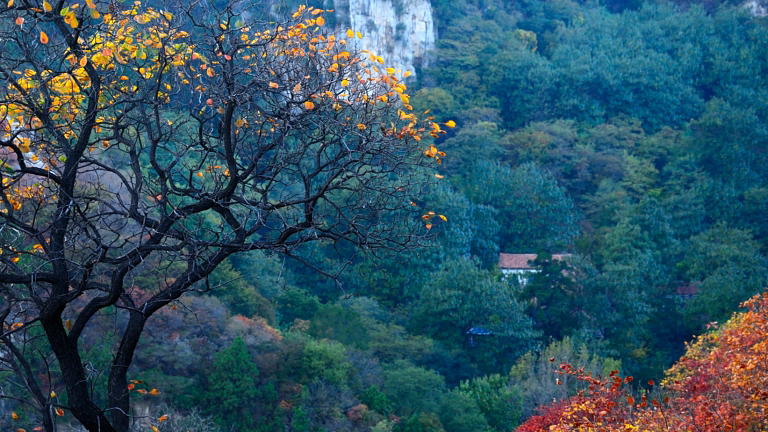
401,31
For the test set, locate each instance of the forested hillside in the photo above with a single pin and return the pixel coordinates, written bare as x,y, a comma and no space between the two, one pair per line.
630,136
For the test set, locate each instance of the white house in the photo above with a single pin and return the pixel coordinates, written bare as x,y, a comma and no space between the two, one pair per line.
520,264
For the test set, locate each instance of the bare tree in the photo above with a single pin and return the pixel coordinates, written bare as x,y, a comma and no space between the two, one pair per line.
145,140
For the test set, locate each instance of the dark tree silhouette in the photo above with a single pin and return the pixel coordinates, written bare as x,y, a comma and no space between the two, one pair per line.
143,142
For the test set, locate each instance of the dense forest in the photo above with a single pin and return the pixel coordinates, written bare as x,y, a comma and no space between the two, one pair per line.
631,136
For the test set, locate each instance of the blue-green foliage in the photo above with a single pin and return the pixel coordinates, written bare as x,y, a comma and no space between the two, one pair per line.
533,211
463,296
632,136
230,388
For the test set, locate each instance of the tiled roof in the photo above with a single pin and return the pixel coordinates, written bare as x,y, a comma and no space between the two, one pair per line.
687,289
520,261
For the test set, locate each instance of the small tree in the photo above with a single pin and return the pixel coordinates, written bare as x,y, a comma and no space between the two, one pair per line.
140,142
231,387
552,297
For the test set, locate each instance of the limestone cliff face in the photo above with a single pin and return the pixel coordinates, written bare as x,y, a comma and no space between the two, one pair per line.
758,8
401,31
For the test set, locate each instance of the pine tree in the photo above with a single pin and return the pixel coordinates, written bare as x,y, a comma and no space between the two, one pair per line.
231,388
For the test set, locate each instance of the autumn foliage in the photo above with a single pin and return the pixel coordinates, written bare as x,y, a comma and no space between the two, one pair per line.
720,384
135,140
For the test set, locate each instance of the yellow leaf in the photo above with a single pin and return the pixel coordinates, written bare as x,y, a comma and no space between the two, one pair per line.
450,124
10,3
344,82
71,20
47,6
309,105
53,394
154,429
320,21
95,14
350,33
445,219
359,35
391,71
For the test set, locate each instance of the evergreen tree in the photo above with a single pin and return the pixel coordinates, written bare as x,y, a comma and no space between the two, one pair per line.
230,389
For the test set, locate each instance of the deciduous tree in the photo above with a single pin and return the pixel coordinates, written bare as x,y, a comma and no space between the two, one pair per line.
137,141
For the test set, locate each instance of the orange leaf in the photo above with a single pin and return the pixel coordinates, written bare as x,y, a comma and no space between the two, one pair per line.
43,38
20,21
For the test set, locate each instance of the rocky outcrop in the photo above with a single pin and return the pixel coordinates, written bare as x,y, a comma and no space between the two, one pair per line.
401,31
758,8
